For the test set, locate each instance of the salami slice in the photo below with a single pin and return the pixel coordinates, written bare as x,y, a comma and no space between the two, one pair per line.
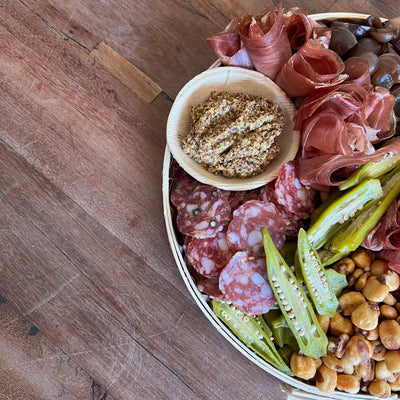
209,286
295,197
244,231
182,186
209,256
244,282
204,213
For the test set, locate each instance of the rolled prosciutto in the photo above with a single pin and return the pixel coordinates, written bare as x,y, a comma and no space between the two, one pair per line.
266,41
311,68
229,46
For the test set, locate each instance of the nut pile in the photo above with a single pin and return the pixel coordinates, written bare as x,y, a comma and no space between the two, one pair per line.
364,334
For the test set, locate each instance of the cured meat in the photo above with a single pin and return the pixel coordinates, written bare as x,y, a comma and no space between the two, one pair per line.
229,46
358,71
311,68
294,201
321,171
290,193
209,286
244,231
266,40
244,282
204,213
378,111
236,198
392,258
299,27
182,187
209,256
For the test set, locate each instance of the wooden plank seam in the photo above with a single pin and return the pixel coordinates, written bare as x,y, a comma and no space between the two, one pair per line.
126,72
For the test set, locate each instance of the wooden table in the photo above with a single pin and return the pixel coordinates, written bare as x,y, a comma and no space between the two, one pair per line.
92,305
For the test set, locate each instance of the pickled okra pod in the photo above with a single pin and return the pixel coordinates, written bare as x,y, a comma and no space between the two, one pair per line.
351,237
250,332
342,210
373,169
317,282
293,302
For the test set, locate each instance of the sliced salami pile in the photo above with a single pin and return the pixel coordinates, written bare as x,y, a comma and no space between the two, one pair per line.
222,233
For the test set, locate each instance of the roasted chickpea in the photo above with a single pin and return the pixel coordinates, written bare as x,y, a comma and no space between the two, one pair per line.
366,371
302,366
375,289
382,372
333,362
336,345
379,388
353,278
340,324
324,322
395,386
392,279
345,266
326,379
378,267
348,383
388,312
366,316
392,360
362,258
378,350
350,301
389,333
362,281
390,300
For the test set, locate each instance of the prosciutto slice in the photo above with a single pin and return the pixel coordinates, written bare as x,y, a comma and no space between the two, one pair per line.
313,67
300,27
266,41
229,46
327,170
392,258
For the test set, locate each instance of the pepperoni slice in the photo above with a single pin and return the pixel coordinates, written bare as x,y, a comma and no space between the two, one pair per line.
244,282
209,256
292,194
244,231
204,213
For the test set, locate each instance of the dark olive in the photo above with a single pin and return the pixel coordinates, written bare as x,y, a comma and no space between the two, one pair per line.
365,45
342,40
383,35
374,21
372,60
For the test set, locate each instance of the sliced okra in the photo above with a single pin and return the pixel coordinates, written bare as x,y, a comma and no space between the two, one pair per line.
318,285
351,237
294,304
250,332
342,210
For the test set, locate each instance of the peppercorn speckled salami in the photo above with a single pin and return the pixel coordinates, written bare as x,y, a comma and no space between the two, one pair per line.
244,282
244,231
182,186
204,213
292,194
209,286
209,256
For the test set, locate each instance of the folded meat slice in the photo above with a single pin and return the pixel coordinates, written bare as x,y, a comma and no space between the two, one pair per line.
300,27
229,46
331,169
358,71
311,68
266,41
392,258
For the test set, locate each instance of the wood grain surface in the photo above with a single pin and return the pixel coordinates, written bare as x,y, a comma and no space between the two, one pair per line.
92,305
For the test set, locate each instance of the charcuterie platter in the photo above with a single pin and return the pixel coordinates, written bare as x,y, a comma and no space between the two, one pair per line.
299,271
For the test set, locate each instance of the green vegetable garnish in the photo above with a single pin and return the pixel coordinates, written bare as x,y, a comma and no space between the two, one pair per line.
318,285
342,210
294,304
249,331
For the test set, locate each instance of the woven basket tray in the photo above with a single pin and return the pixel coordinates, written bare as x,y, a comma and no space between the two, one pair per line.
295,388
